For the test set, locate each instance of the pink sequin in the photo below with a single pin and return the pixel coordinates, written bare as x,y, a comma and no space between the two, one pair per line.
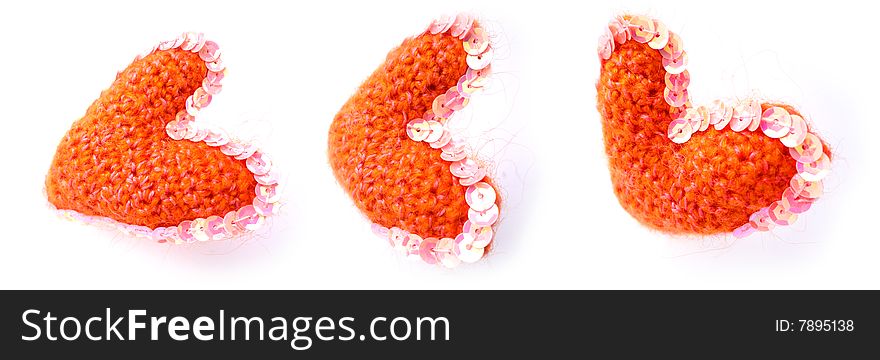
259,163
606,45
619,31
797,132
661,36
760,220
674,47
267,193
464,168
483,218
210,52
794,203
676,65
641,29
426,250
678,82
808,151
675,98
744,231
480,61
462,24
248,218
477,42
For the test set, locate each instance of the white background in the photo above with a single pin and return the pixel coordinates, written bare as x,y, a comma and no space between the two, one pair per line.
293,64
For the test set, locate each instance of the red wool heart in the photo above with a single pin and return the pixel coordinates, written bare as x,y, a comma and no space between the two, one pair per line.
138,159
390,150
736,166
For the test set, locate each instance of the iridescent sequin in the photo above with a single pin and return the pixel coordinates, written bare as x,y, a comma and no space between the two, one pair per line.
465,249
199,230
418,129
606,45
267,193
674,47
760,220
455,100
229,223
797,132
480,61
441,24
483,236
259,163
794,203
453,156
464,168
270,178
815,171
675,98
426,250
804,188
678,82
477,42
212,82
215,228
473,179
217,137
744,231
680,131
808,151
175,130
619,31
183,231
435,131
249,149
444,139
661,36
232,148
775,122
462,24
780,214
201,98
676,65
485,217
439,106
210,52
698,118
216,65
249,219
743,115
720,114
189,41
480,196
641,29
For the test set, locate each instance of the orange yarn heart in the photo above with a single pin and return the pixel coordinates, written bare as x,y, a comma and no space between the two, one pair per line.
118,161
397,182
717,180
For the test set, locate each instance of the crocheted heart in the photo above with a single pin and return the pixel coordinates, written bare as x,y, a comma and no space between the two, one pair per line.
140,158
390,149
728,166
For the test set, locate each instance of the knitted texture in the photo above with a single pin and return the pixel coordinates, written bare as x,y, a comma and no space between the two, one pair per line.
118,162
393,180
710,184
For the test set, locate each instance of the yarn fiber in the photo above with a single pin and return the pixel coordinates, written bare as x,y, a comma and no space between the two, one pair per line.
117,161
